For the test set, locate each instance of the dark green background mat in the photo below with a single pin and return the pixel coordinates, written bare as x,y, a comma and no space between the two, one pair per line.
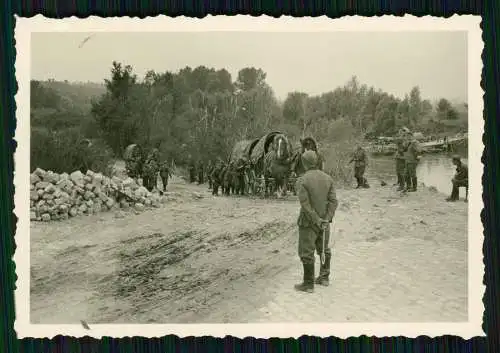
488,9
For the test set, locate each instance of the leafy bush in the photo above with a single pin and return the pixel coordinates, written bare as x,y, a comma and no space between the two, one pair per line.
67,151
337,153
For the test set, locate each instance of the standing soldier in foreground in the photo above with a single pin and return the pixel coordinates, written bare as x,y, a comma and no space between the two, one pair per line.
400,164
318,203
411,156
359,159
461,179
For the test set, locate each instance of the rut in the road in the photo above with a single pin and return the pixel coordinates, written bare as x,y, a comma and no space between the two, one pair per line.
169,266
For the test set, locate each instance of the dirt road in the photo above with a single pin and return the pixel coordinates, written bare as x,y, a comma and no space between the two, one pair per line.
234,259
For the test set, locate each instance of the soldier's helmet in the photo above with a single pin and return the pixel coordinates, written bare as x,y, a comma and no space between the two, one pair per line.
309,143
455,158
309,159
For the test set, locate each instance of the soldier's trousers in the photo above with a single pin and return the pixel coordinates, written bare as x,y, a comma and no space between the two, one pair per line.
457,183
411,175
192,176
359,172
164,181
215,187
400,172
310,240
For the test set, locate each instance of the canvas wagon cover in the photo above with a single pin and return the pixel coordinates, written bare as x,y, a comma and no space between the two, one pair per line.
240,150
131,150
262,147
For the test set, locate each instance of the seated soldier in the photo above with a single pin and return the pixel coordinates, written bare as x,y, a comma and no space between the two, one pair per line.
461,179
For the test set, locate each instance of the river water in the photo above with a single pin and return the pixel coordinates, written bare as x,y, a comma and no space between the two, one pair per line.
435,170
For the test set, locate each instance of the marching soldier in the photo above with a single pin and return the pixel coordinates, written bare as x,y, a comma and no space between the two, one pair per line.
151,169
359,158
201,179
192,171
227,178
216,175
239,182
165,173
210,168
461,179
318,204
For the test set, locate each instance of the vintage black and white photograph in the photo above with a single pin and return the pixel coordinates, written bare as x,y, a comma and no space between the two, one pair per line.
234,176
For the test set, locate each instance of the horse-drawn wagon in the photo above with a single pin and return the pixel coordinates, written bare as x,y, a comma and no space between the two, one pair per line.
266,162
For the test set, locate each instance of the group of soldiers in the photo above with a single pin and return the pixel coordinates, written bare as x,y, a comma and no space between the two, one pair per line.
238,177
229,177
149,169
407,157
318,202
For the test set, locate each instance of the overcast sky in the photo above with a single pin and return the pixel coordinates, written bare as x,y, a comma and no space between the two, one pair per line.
308,62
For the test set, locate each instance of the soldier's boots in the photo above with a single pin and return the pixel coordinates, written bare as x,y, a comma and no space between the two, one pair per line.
324,272
307,284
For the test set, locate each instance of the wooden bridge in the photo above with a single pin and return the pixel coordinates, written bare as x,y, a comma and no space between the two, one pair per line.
434,146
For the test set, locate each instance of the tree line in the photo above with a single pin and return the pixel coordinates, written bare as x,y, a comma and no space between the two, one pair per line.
201,112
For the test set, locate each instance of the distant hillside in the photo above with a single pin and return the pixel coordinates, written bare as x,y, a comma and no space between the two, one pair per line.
76,94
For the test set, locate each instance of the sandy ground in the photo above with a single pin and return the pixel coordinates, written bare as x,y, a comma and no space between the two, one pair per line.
234,259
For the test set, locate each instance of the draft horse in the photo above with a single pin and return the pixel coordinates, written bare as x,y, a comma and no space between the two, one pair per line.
277,163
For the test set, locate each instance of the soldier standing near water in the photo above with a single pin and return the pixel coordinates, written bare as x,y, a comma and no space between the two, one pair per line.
411,156
400,164
318,203
461,179
359,158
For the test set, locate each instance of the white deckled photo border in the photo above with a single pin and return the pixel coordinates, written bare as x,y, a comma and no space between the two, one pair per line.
471,24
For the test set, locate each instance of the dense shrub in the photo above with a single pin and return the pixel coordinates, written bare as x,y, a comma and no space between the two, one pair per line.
338,151
67,151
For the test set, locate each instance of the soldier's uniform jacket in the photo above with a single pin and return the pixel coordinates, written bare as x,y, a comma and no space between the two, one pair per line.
359,158
462,172
317,198
165,169
411,152
151,167
217,173
400,151
210,168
